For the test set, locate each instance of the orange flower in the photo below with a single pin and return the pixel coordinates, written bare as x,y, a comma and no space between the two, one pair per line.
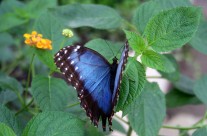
36,40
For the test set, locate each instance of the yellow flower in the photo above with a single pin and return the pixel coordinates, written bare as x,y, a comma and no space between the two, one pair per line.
67,33
36,40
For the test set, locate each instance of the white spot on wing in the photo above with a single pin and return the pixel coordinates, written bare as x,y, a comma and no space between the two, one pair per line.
78,47
72,62
76,68
65,51
61,64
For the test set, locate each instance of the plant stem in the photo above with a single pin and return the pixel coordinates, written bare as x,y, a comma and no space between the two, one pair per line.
63,42
181,128
28,77
24,108
72,105
130,25
154,77
129,132
121,119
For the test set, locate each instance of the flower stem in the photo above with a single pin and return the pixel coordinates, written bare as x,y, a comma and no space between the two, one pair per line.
28,77
63,42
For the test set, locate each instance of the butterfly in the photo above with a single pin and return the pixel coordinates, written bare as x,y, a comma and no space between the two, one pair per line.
96,81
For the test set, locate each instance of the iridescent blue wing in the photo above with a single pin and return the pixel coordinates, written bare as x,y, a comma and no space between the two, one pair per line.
119,71
90,75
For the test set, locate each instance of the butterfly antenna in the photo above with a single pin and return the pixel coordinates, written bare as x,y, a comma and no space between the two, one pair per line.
109,47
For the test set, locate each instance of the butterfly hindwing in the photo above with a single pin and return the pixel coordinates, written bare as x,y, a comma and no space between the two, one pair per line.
119,72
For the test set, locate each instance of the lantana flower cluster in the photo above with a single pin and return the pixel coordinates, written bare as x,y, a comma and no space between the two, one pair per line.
37,40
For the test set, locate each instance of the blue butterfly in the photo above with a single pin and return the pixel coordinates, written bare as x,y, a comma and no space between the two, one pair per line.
96,80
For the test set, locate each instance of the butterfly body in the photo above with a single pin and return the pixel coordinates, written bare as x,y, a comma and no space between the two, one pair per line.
95,79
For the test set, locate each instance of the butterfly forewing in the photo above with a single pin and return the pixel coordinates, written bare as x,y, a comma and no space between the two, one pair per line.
90,74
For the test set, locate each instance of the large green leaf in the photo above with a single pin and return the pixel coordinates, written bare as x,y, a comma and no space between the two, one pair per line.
54,124
36,7
136,42
200,132
143,14
148,111
200,89
199,41
106,48
173,28
6,41
50,93
157,61
10,6
8,118
51,28
96,16
10,87
184,84
177,98
168,4
132,84
10,20
175,75
5,130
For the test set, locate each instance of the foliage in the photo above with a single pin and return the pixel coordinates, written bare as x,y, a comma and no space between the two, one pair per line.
35,99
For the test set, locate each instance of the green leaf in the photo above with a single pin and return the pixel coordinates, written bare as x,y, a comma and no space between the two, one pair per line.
199,41
172,76
148,111
136,42
6,131
10,88
10,6
143,14
200,132
106,48
176,98
6,41
51,28
184,84
168,4
54,123
91,130
157,61
173,28
46,58
8,118
132,84
10,20
36,7
50,93
200,89
96,16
